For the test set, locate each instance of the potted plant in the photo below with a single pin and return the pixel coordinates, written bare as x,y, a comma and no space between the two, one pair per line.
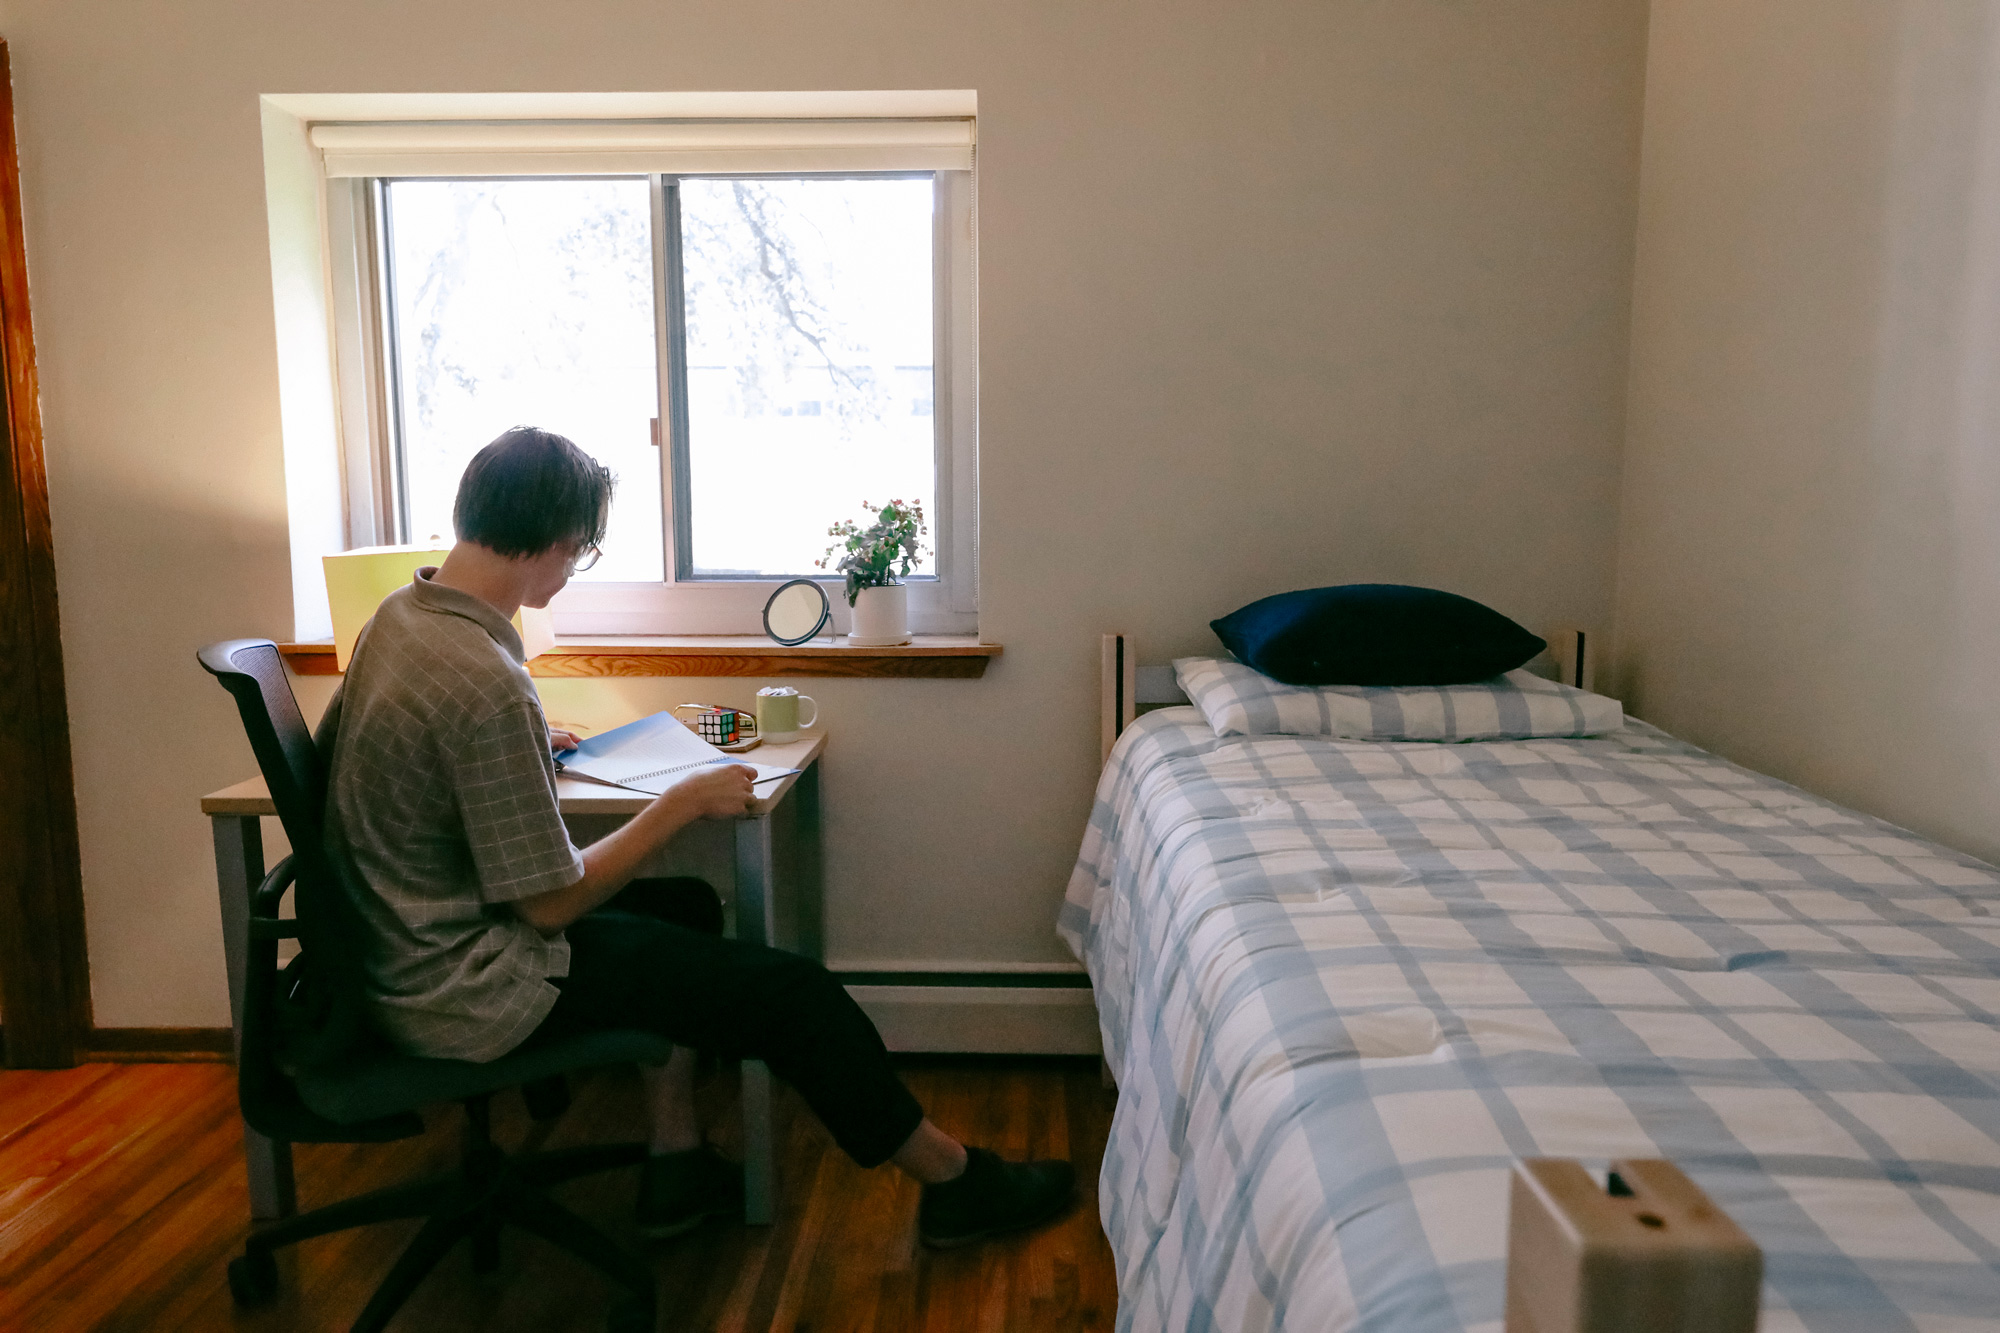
875,560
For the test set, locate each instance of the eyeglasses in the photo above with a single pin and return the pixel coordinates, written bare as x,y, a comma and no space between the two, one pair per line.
584,558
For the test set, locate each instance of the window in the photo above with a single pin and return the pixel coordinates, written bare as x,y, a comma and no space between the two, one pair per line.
522,301
754,353
804,325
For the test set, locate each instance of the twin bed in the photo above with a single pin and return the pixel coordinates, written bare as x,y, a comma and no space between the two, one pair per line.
1344,984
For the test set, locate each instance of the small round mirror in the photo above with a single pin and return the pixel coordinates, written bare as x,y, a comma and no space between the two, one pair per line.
796,612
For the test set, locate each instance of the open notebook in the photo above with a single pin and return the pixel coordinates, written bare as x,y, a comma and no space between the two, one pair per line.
651,755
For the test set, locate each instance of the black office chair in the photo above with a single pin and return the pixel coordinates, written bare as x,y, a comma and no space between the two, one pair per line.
311,1069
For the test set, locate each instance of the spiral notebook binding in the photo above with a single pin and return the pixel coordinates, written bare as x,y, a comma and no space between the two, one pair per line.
662,772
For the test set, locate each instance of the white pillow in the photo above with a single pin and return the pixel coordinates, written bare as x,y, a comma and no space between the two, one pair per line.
1242,701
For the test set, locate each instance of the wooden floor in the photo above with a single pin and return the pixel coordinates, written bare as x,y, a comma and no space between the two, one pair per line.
122,1198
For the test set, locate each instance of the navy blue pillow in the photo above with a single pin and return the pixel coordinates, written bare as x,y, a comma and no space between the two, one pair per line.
1375,634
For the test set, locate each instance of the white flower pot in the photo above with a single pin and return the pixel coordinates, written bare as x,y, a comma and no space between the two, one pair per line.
881,617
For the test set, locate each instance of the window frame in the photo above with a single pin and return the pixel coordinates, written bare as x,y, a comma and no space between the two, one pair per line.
371,458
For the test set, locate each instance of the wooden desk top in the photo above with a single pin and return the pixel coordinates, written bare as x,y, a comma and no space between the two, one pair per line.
576,796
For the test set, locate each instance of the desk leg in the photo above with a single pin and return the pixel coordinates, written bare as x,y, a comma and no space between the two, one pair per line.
753,922
760,1165
808,887
239,868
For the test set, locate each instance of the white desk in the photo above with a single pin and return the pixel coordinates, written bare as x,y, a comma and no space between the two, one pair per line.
774,898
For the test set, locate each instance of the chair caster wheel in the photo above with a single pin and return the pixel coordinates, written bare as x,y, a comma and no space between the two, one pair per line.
630,1315
253,1277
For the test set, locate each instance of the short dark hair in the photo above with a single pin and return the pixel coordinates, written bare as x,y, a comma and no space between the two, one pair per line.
530,491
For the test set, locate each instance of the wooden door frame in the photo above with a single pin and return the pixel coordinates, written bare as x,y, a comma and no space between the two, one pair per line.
44,963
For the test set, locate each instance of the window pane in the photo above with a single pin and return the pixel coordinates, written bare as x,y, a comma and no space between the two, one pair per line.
527,303
809,363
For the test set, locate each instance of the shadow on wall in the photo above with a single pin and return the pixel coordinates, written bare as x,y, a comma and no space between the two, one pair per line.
1809,559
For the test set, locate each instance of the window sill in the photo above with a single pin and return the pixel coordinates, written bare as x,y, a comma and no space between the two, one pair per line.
933,656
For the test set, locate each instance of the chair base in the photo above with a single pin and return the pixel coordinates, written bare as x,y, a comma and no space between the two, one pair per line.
489,1191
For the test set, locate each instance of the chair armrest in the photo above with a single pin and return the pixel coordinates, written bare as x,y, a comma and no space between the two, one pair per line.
266,898
265,923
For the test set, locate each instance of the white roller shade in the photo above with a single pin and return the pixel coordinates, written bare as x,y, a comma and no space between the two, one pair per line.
581,148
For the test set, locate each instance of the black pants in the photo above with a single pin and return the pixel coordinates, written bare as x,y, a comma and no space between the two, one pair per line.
653,958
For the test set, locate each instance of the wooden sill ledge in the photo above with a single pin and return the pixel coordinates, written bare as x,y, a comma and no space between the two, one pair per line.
950,656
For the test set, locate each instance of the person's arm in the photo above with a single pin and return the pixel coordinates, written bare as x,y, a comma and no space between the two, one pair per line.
719,791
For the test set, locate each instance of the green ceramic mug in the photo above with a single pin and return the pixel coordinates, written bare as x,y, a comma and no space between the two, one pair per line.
778,713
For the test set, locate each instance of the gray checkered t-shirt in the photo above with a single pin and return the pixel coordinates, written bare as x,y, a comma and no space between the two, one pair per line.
443,795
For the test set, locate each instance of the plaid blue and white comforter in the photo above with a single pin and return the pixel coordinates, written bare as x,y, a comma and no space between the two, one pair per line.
1343,984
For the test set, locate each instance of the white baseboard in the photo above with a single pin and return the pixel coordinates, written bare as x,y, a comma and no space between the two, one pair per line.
995,1020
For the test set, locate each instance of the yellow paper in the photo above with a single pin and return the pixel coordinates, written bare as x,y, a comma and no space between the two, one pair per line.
358,580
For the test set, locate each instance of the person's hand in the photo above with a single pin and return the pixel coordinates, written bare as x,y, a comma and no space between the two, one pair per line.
564,740
716,791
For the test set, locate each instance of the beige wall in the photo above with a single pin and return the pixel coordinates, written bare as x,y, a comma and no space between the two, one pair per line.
1272,295
1810,555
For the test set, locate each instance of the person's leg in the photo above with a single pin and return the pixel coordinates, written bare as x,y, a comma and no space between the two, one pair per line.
747,1001
669,1088
743,1001
669,1093
930,1156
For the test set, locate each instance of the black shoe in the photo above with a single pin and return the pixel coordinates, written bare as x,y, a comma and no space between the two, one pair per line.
678,1191
991,1198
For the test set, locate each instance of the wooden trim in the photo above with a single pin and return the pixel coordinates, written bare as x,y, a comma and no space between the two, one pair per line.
947,656
160,1046
152,1046
44,966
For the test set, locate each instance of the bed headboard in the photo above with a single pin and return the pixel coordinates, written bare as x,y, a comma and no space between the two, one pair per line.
1127,688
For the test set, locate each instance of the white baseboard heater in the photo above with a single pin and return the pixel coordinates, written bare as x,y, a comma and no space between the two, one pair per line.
979,1013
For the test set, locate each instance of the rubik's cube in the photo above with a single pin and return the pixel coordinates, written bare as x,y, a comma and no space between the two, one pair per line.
720,726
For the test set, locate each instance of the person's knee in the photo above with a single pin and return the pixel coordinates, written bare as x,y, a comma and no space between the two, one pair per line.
804,981
781,1005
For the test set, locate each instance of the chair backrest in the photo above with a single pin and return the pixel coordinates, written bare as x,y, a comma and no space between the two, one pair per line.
253,672
328,1004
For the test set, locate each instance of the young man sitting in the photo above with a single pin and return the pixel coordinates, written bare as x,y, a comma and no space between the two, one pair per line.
490,929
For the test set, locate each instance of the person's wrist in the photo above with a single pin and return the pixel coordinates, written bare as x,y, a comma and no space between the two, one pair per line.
671,808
